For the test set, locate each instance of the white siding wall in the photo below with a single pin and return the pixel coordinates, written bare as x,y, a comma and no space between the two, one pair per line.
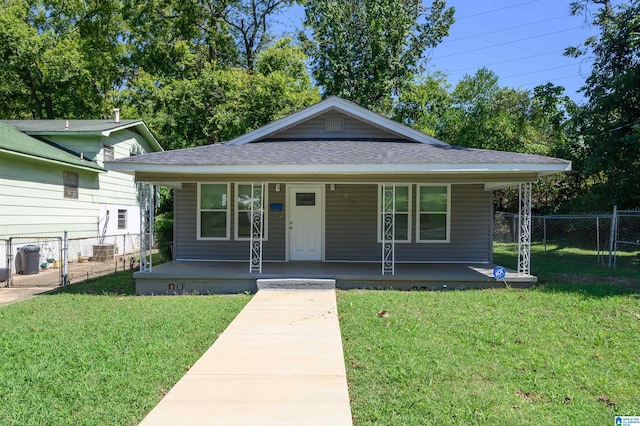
32,200
32,193
119,188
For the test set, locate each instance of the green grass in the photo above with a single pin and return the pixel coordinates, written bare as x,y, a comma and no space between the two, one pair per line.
563,352
94,354
561,264
540,356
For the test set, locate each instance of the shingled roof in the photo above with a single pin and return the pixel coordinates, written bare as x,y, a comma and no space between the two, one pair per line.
336,152
266,151
14,142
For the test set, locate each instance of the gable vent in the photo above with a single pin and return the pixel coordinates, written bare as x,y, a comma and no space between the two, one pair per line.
334,125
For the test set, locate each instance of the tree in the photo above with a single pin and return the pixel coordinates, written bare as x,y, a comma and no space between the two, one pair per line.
249,23
368,50
223,103
58,60
423,103
610,121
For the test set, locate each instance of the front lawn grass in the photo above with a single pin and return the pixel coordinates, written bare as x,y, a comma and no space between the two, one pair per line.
94,354
540,356
563,352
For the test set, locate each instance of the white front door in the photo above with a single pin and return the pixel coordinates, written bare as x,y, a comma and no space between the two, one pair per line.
305,222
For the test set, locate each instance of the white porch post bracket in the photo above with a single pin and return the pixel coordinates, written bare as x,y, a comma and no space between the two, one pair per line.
524,223
388,228
145,198
257,222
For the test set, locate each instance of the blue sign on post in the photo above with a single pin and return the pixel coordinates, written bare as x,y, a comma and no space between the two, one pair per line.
499,272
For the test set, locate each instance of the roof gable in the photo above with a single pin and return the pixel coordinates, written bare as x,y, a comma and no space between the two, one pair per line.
83,127
13,141
334,106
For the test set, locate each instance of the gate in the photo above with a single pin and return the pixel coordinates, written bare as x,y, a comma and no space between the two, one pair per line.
32,262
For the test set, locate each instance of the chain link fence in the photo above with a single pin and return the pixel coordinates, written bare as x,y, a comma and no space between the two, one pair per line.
627,238
612,238
44,262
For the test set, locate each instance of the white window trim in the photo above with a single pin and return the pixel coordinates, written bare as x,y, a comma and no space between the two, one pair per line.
199,236
409,210
236,211
448,213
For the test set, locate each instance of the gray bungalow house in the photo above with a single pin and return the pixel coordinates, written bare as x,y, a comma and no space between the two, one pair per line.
335,191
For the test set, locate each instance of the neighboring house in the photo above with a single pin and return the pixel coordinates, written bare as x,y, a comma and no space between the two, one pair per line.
52,177
339,185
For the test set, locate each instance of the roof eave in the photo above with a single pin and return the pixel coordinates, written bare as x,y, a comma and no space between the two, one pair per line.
541,169
94,169
139,125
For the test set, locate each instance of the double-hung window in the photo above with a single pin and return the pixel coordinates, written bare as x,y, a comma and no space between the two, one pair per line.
244,199
213,211
122,219
70,181
402,223
433,214
108,153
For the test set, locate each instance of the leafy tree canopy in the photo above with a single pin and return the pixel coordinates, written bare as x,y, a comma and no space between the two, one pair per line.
610,121
368,50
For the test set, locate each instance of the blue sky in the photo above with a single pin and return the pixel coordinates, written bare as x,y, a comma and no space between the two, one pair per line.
522,41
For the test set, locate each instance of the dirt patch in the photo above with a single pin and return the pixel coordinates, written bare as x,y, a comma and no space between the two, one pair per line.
595,279
533,397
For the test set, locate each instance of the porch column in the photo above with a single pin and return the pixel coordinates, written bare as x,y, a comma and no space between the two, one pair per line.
257,219
524,223
388,228
147,210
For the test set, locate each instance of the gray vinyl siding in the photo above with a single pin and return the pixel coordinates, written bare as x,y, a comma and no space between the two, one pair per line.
188,247
315,129
351,223
351,227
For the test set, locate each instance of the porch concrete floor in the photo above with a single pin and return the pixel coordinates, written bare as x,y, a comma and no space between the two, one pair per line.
279,362
340,271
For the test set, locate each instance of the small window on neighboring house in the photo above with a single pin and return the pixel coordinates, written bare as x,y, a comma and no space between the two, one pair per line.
70,184
122,219
108,154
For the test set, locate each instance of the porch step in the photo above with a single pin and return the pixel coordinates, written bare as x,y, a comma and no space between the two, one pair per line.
296,283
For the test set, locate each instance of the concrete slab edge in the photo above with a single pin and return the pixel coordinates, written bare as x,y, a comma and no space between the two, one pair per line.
296,283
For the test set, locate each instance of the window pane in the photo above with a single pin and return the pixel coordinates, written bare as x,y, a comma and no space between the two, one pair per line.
433,198
433,226
244,197
244,225
305,198
122,219
213,224
402,199
213,196
401,227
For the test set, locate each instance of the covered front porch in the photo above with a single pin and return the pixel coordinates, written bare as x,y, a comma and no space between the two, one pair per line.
206,277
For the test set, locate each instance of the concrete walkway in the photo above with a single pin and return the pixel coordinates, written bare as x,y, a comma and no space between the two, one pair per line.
279,362
10,295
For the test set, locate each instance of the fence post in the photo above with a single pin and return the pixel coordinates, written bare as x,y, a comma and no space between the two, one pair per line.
10,264
65,260
544,221
598,238
614,220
